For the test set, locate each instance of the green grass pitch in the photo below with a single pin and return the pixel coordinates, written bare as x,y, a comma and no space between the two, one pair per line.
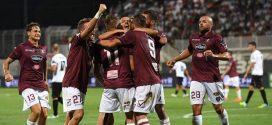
178,109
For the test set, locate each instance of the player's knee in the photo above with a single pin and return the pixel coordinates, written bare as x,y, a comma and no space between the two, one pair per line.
78,115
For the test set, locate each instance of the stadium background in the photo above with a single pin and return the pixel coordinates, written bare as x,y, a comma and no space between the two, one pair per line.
239,21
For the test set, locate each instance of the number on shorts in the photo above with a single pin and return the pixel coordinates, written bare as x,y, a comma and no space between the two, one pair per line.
195,94
77,99
31,97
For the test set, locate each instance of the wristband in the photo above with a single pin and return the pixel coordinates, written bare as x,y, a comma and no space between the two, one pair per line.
98,15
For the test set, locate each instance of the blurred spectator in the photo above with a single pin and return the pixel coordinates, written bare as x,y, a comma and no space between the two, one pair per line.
179,17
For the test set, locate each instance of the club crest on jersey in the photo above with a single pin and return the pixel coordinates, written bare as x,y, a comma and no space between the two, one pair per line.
36,67
200,46
36,58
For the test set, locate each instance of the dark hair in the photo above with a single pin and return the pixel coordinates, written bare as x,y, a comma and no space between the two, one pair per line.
152,14
139,20
252,43
81,23
30,25
111,22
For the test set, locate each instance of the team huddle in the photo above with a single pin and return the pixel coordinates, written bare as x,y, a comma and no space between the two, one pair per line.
126,61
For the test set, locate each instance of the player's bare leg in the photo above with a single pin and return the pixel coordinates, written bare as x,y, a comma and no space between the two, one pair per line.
43,116
238,92
197,116
222,113
105,119
69,116
76,117
164,120
226,92
141,118
130,119
35,113
178,88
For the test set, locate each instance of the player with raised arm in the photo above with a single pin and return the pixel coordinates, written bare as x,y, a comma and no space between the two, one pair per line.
206,48
58,66
256,68
75,82
233,78
146,76
117,78
33,84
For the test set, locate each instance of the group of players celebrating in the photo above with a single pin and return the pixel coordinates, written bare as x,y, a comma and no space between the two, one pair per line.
126,61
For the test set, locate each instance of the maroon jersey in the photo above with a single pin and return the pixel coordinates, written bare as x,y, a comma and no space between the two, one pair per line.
78,64
233,71
205,69
117,72
33,63
158,47
143,47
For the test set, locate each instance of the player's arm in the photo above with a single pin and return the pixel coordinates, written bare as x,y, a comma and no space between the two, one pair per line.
131,62
97,73
7,73
91,24
187,74
226,70
249,67
183,55
220,56
53,68
110,43
149,31
45,77
108,34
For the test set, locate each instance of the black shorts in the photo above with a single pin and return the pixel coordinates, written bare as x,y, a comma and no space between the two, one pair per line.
56,89
257,81
179,80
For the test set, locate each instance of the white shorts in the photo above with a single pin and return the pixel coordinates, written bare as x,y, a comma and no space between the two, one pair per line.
198,90
161,99
233,81
32,97
147,97
73,99
114,99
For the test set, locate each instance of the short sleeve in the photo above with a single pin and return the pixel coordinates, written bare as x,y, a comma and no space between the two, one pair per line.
221,45
16,53
253,58
54,61
127,38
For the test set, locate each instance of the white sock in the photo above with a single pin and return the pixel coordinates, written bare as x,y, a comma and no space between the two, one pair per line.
238,92
143,121
224,118
197,120
226,93
130,124
165,121
30,122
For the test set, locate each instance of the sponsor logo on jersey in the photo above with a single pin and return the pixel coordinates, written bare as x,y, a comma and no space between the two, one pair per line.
200,46
36,58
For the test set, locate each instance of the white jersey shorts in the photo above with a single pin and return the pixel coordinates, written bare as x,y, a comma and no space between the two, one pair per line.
214,91
146,97
32,97
73,99
115,99
233,81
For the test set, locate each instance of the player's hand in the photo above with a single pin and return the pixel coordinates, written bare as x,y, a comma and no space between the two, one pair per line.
102,8
170,63
245,76
8,77
208,53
